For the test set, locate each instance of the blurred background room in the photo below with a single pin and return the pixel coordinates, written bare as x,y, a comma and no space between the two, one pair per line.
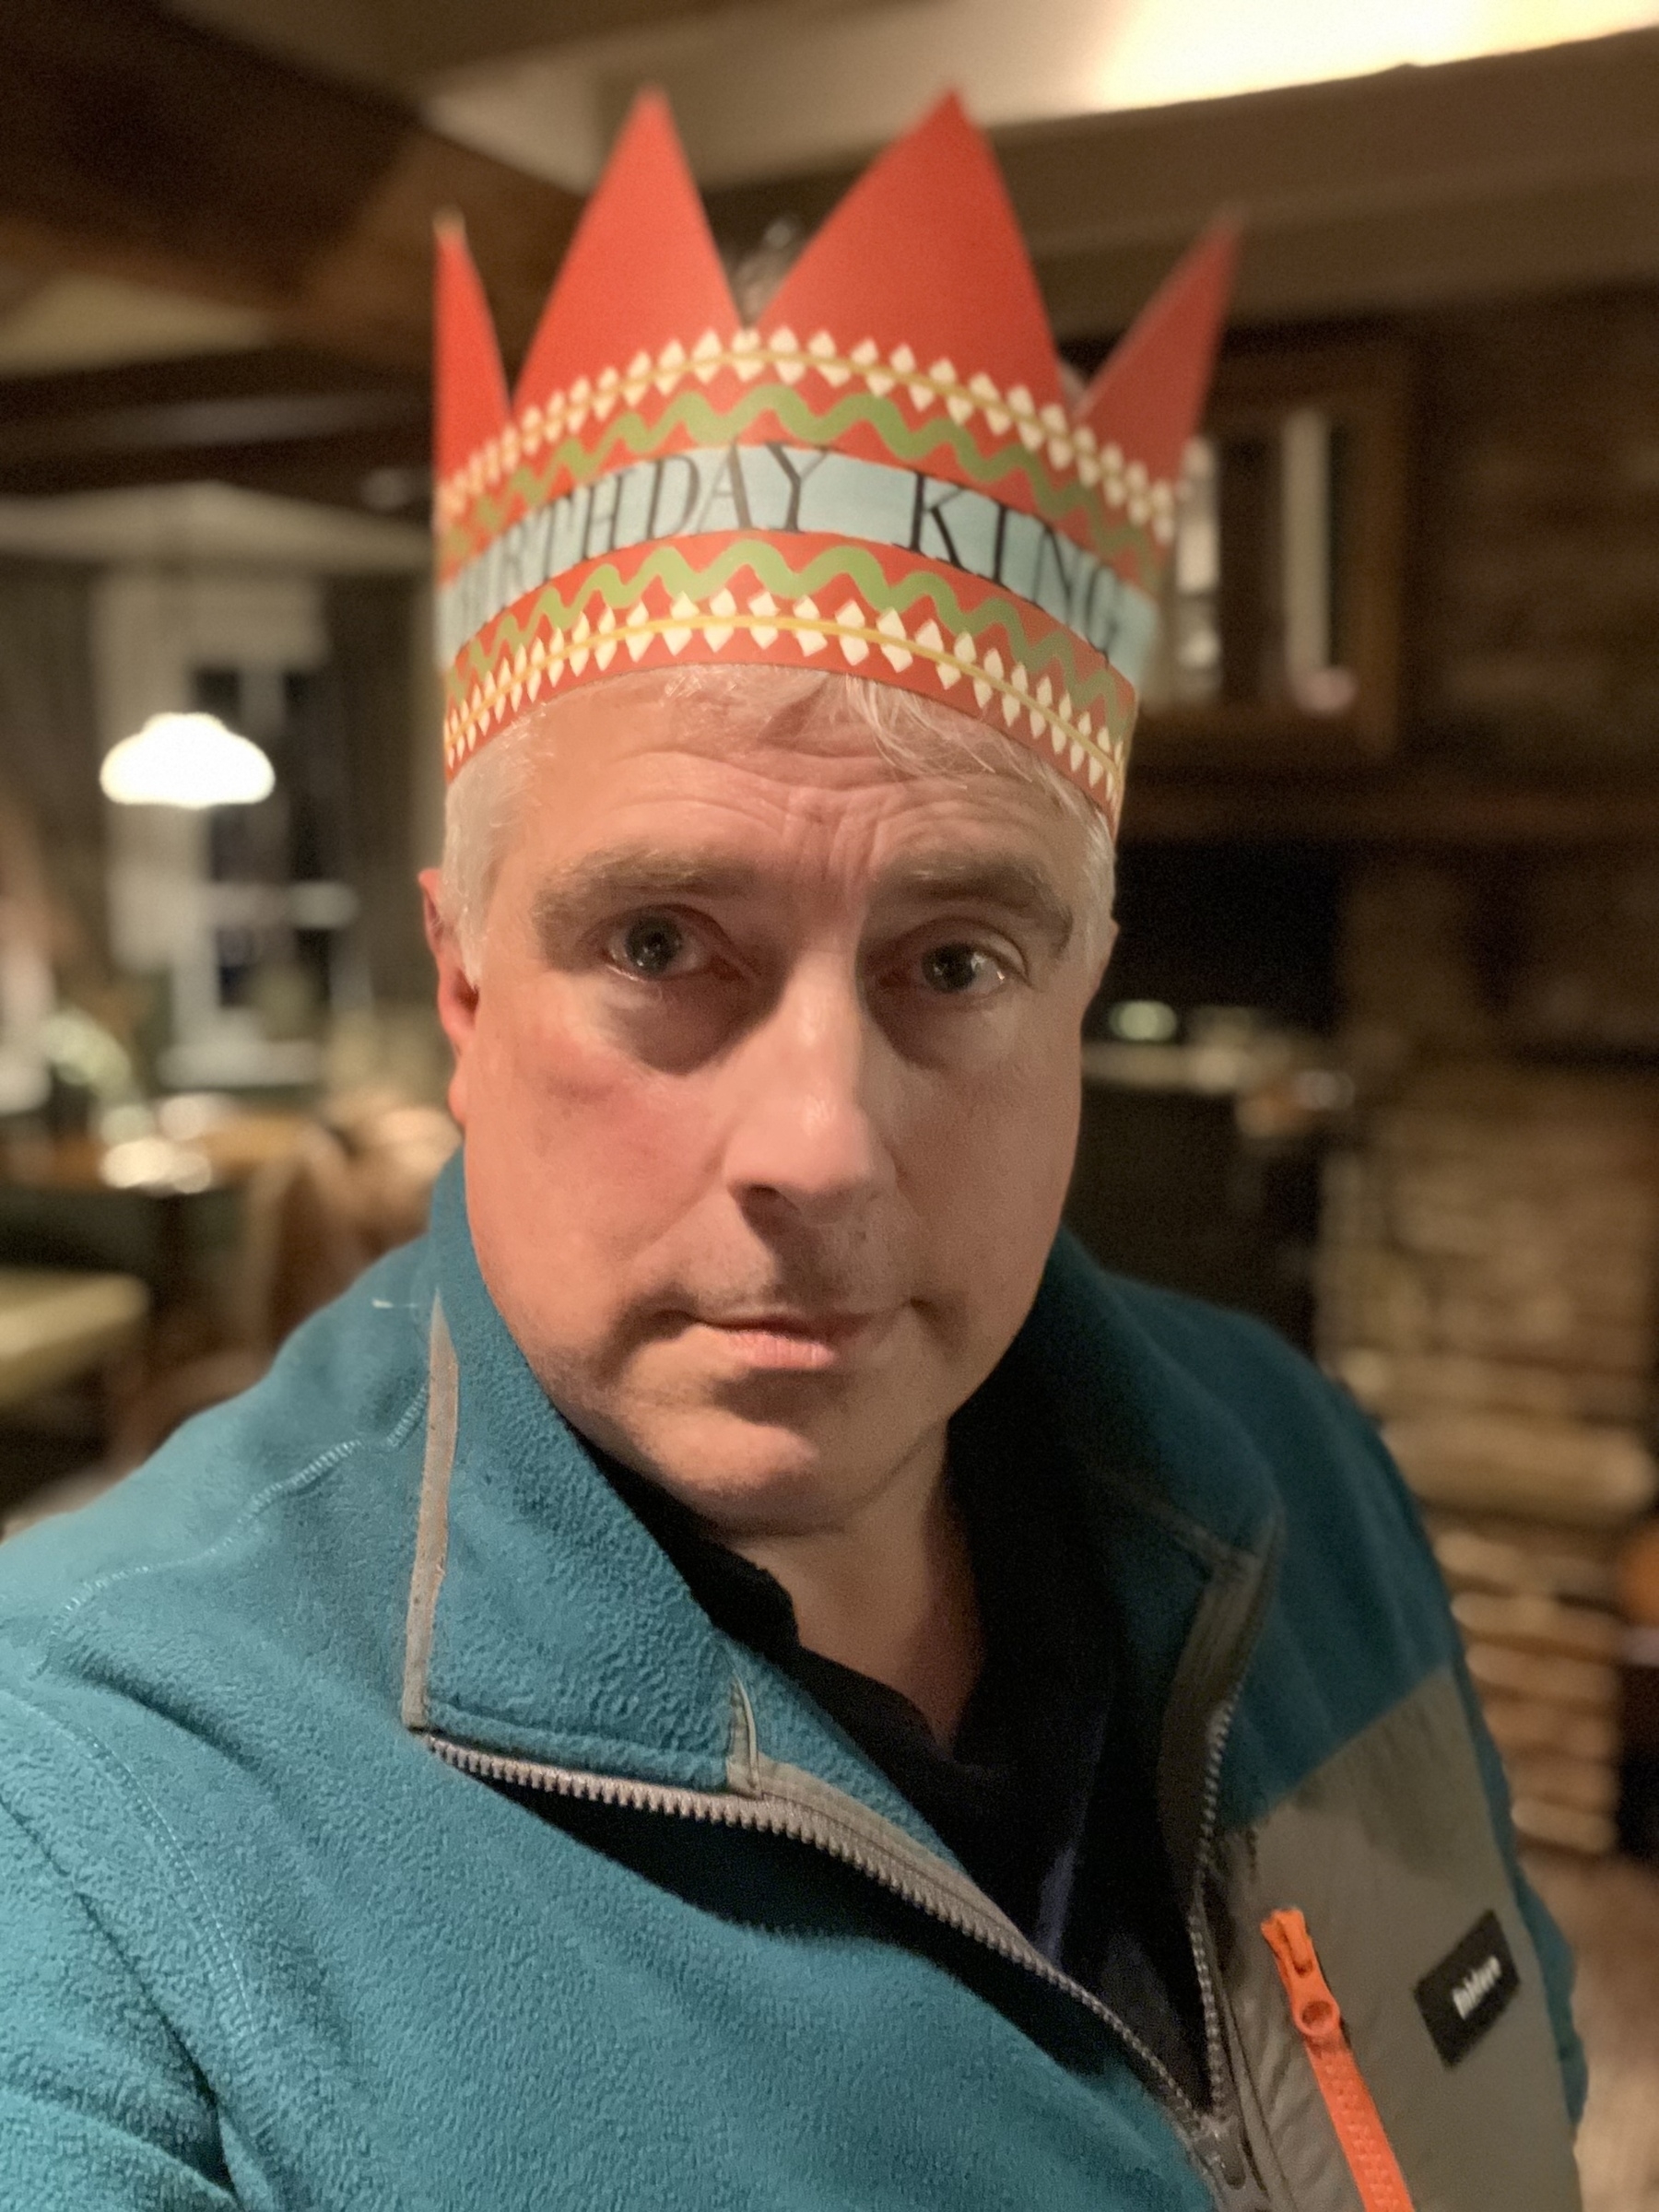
1378,1057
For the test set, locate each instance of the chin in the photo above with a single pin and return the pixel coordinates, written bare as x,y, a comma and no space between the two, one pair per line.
743,1472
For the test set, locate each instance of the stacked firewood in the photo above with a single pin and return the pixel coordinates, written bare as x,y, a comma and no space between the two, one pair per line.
1488,1291
1535,1605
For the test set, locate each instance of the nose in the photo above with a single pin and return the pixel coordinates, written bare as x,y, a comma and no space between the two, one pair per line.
805,1133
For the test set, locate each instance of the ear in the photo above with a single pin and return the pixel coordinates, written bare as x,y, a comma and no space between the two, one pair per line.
457,992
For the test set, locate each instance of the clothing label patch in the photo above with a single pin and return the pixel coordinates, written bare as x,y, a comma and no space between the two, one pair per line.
1467,1991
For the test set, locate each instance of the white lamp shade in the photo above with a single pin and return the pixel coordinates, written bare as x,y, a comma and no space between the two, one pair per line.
187,761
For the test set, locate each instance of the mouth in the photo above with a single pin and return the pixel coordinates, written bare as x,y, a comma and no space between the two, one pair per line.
803,1343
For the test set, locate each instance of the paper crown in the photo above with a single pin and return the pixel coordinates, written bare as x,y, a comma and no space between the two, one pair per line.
881,475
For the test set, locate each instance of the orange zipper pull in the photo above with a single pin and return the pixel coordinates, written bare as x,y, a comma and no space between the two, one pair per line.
1317,2014
1318,2019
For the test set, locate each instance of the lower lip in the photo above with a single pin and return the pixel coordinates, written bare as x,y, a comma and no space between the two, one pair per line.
810,1350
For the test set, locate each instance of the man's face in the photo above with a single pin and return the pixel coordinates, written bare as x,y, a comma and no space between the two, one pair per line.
770,1082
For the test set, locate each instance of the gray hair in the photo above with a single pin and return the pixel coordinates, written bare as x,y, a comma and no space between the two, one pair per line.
915,736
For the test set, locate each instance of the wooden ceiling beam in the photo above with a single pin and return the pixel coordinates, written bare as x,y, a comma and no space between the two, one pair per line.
143,147
275,419
1514,173
409,41
1427,808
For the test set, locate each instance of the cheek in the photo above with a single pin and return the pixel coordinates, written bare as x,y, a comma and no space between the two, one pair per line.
989,1167
581,1150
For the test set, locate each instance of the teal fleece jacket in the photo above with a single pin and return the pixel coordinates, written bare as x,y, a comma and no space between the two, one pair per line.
382,1823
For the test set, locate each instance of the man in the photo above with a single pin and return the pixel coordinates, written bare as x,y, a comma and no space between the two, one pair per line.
739,1671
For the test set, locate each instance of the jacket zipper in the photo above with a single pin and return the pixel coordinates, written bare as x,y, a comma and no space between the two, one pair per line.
829,1820
1232,2178
1232,2175
1353,2111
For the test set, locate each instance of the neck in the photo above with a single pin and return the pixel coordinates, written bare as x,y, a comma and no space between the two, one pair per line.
887,1590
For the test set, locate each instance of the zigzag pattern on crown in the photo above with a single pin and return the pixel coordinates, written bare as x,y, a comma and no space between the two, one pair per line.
997,433
919,627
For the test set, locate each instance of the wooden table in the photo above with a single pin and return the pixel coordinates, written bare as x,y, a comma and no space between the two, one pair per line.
58,1323
167,1212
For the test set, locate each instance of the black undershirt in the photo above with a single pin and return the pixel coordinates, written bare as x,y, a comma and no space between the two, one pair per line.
1041,1793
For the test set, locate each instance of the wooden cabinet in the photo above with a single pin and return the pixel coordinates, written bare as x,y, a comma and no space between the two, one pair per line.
1281,631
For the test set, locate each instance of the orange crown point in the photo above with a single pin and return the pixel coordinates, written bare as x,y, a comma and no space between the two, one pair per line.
1147,396
470,404
924,253
642,272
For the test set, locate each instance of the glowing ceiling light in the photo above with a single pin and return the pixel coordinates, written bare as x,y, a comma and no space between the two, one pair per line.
1156,52
187,761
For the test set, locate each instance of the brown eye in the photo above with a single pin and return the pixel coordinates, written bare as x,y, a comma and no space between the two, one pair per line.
952,970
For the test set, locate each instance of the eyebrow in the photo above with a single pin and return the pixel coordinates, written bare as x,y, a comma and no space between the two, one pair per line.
637,876
632,876
1019,889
